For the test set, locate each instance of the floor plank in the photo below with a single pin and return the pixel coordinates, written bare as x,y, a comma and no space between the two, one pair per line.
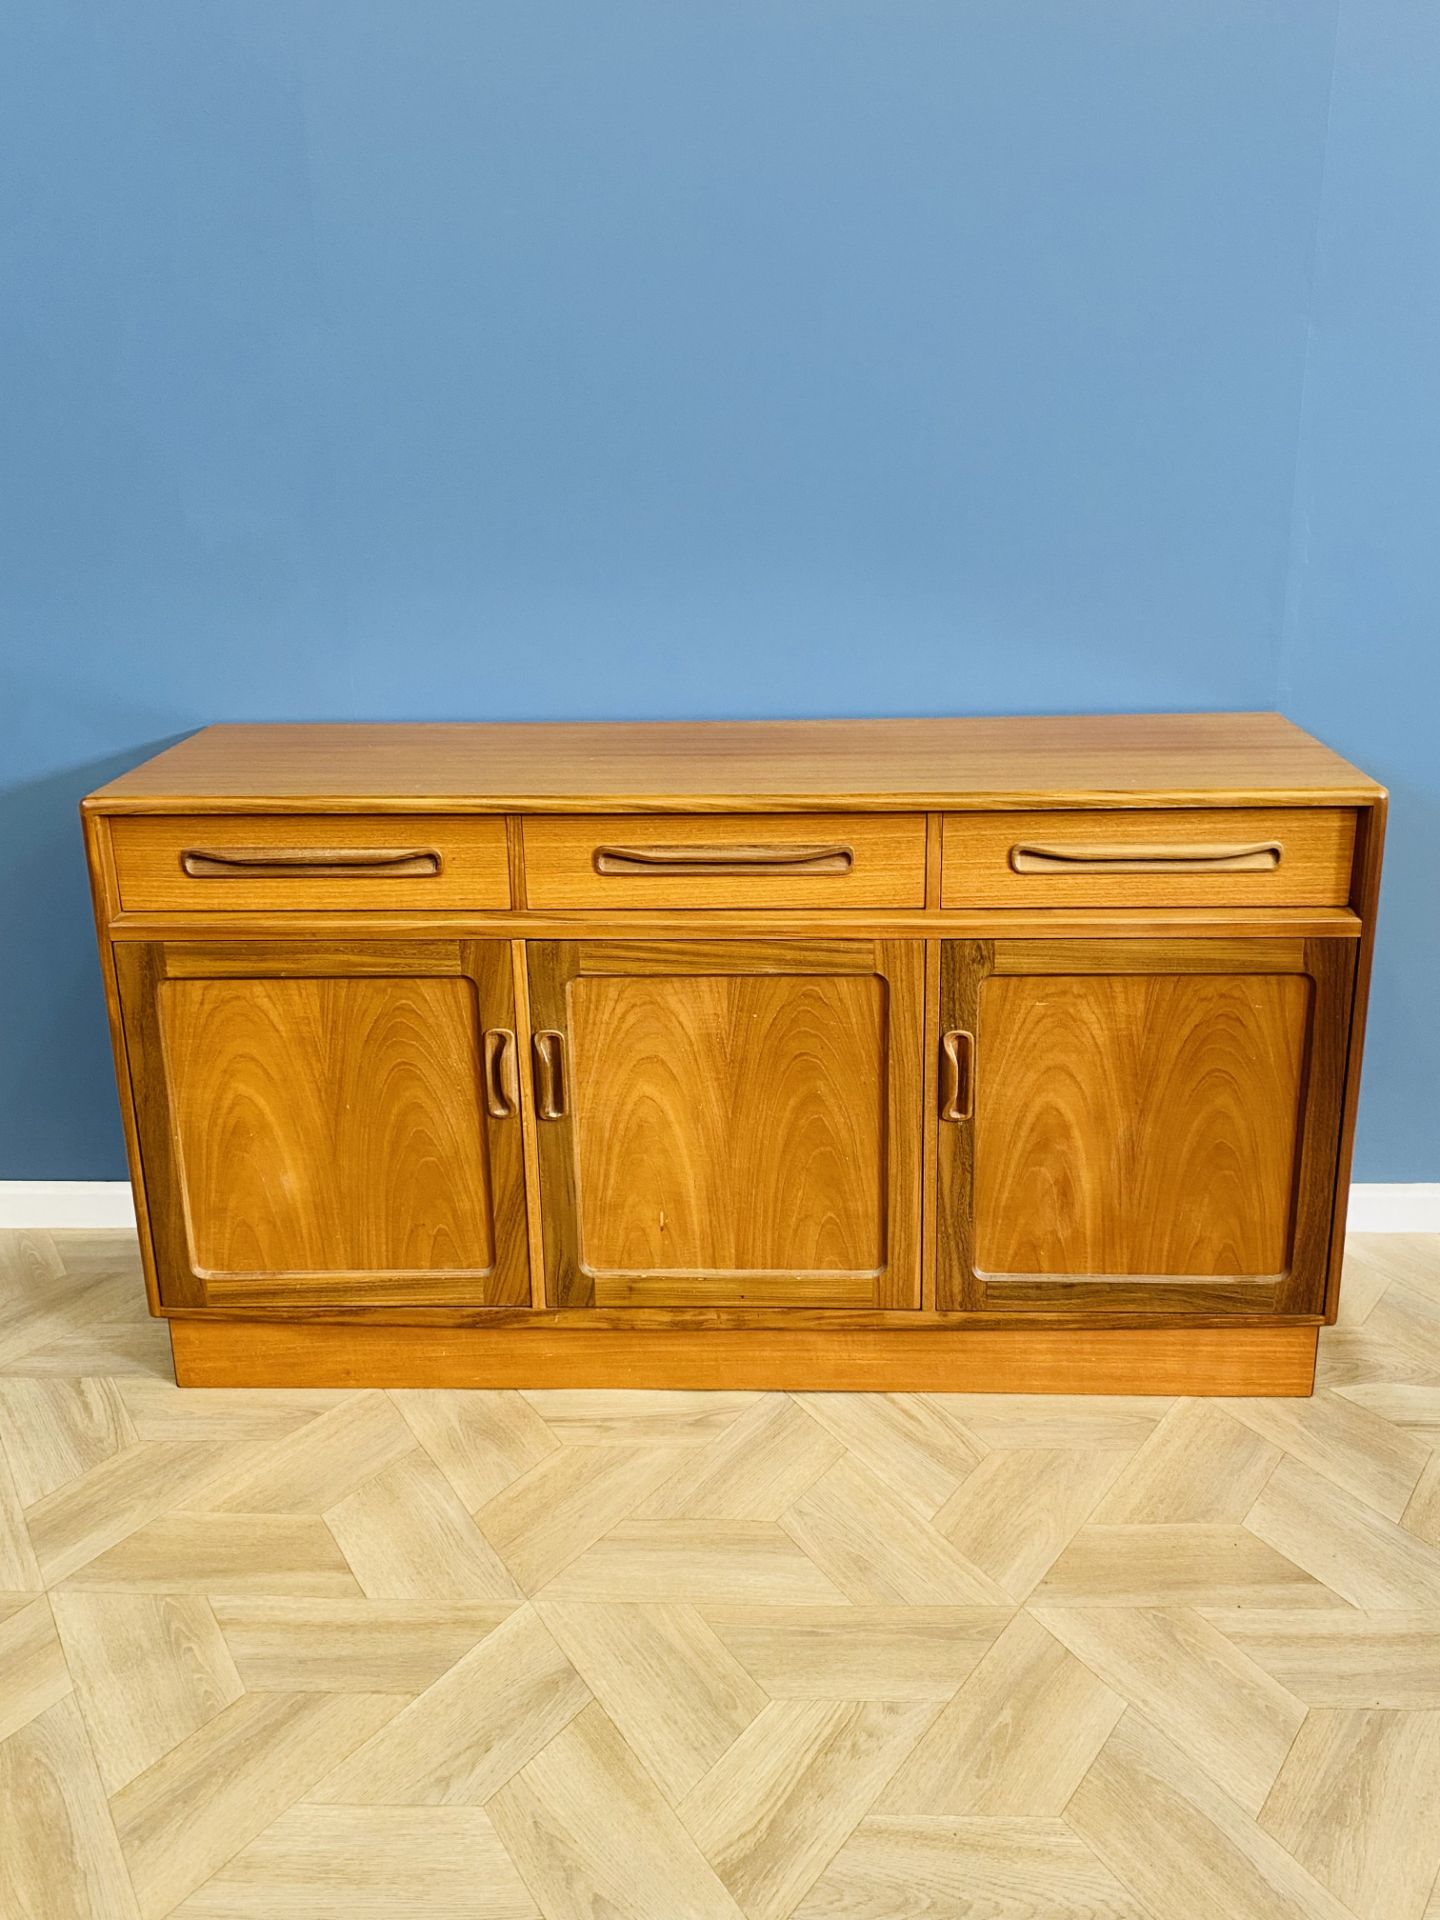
943,1868
150,1669
665,1678
1356,1802
859,1653
1200,1465
1345,1658
880,1552
406,1535
1193,1850
60,1854
190,1812
592,1834
385,1863
1021,1507
465,1735
1359,1554
1016,1739
1232,1717
773,1811
33,1669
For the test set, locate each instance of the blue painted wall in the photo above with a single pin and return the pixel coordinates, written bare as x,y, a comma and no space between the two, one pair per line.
766,357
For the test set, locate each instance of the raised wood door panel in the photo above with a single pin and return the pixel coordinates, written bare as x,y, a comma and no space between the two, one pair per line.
1146,1125
735,1123
329,1124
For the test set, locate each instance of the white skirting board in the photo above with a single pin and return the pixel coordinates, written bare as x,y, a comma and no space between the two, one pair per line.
1413,1207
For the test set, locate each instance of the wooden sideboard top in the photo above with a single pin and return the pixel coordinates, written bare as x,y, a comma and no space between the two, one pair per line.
1087,760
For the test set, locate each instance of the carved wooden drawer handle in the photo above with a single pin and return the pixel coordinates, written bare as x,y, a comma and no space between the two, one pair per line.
315,863
957,1075
660,860
550,1088
502,1076
1262,857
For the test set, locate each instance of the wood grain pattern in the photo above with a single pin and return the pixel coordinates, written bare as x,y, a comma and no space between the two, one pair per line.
1146,1130
880,861
1156,758
276,1080
693,1083
755,1677
317,1130
472,864
1138,1360
1137,1124
693,1093
1317,847
298,1040
333,1863
1355,1803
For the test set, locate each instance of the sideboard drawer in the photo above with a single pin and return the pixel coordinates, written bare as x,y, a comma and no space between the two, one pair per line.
1171,856
202,863
726,860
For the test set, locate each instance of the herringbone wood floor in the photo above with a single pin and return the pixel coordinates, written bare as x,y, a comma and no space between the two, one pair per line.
673,1656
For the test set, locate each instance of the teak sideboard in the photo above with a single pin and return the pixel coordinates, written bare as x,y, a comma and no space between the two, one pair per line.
1004,1055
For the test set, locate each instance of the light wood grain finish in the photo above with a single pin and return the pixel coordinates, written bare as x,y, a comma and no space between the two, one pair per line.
1344,1658
726,860
1199,1465
1020,1506
1176,1566
771,1812
185,1816
879,1552
757,1469
1193,1836
922,1864
1151,858
407,1536
150,1669
760,764
468,857
589,1829
468,1733
858,1653
358,1646
1357,1551
666,1680
1018,1737
1183,1674
388,1863
1188,1714
1355,1802
60,1854
33,1669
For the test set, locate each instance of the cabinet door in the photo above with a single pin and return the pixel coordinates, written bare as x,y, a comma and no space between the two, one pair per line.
729,1123
329,1124
1140,1125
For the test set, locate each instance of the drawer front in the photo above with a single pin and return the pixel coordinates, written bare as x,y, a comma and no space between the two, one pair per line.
1171,857
366,863
726,860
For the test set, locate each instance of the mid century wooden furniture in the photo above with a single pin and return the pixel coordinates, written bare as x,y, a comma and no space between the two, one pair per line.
1016,1055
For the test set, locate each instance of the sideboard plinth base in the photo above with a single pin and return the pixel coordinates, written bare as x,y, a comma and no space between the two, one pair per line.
1273,1360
